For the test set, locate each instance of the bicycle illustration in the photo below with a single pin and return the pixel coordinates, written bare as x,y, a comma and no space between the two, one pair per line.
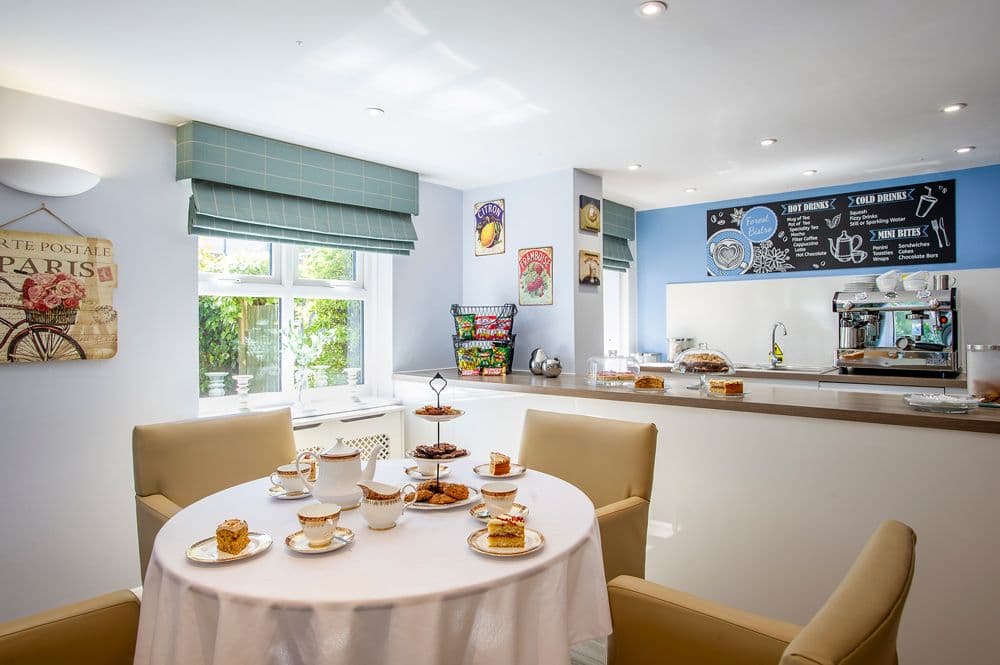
39,336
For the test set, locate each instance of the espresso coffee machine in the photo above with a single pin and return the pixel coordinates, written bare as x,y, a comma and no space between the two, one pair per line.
897,331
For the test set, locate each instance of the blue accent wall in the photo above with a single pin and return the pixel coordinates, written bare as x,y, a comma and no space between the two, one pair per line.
670,242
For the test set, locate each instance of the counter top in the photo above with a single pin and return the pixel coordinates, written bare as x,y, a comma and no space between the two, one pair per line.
831,375
887,409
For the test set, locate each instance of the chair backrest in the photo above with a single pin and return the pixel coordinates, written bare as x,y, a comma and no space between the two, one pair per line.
186,461
860,620
609,460
99,631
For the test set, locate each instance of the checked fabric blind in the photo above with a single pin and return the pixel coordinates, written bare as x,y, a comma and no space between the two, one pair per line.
253,188
619,228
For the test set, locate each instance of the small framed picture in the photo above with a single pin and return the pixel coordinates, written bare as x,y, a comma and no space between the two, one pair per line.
534,276
590,214
590,268
491,228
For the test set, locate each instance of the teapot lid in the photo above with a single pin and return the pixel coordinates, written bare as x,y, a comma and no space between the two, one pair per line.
339,451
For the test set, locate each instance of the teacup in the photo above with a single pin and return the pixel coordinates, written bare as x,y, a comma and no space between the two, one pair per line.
499,497
287,477
382,504
319,521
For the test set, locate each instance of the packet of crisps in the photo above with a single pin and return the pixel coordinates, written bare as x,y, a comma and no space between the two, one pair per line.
465,325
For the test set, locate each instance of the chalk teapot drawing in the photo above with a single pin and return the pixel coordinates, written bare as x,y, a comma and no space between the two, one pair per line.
846,248
339,474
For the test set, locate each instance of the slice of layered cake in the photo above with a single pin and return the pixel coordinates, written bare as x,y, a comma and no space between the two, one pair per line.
232,536
505,531
499,464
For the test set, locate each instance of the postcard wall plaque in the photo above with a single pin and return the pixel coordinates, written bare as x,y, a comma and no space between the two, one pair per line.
491,233
56,296
590,214
534,276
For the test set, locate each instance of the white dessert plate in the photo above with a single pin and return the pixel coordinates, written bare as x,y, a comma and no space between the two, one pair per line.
279,492
297,542
533,541
414,472
473,497
665,388
205,551
480,513
483,470
456,413
742,394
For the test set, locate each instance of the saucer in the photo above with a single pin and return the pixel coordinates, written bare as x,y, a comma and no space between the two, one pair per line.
533,541
205,551
279,492
414,473
342,536
480,513
483,471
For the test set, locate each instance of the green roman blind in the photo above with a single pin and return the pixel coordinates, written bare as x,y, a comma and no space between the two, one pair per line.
251,187
247,214
619,228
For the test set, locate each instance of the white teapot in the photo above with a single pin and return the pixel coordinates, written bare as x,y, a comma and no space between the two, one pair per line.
339,473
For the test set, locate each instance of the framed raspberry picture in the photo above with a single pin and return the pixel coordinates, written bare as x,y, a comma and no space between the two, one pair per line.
534,276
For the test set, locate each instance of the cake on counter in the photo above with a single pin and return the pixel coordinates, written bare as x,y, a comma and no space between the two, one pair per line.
725,386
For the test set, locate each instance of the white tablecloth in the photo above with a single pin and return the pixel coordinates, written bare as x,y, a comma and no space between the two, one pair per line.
414,594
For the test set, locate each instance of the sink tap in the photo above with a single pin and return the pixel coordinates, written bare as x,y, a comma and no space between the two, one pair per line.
776,357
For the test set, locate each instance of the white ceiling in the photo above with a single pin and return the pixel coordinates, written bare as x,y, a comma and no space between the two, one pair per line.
480,92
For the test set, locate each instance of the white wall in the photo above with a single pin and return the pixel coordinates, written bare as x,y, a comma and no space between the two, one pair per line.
68,518
538,214
736,317
588,314
427,282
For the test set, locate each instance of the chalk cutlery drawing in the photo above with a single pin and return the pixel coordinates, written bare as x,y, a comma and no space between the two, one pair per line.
944,232
936,225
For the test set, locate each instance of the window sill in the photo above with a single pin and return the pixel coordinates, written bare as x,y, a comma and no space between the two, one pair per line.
316,410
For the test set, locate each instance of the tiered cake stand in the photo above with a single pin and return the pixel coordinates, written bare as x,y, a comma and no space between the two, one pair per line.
438,383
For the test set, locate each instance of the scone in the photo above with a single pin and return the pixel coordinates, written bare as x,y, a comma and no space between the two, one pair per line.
232,536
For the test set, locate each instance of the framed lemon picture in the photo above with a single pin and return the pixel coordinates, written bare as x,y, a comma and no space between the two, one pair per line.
491,228
590,214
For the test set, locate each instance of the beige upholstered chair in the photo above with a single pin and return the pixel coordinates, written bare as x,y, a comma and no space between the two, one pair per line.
611,461
856,626
99,631
178,463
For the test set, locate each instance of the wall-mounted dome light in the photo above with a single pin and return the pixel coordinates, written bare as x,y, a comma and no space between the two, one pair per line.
45,178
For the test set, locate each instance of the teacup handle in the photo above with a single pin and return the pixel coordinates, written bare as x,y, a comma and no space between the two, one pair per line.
402,493
276,479
298,467
856,246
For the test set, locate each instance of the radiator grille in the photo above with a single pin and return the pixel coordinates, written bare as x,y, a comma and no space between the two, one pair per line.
366,444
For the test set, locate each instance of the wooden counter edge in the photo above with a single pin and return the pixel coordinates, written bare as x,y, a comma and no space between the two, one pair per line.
973,422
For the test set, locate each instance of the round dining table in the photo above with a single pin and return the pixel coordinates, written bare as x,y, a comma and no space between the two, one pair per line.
415,594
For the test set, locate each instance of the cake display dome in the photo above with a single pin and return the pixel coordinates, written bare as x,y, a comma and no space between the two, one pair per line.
611,370
704,362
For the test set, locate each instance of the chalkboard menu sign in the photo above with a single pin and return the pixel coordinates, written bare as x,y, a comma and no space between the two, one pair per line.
878,228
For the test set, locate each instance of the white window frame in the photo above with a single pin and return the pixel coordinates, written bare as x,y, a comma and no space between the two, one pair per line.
372,286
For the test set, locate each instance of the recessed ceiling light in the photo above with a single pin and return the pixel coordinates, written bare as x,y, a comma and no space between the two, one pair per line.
964,149
690,189
954,108
651,9
374,111
298,42
768,142
634,167
810,172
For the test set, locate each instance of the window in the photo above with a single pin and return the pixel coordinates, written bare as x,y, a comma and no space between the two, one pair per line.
616,312
288,315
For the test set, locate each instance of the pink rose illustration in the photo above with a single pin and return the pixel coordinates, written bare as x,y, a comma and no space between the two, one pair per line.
35,292
52,301
28,304
45,279
71,303
65,289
